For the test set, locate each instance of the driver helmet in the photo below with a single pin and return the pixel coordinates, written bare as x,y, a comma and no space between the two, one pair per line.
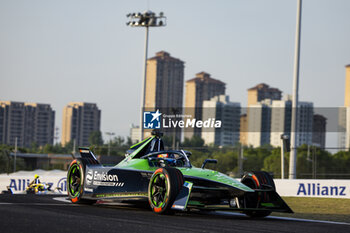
163,156
36,176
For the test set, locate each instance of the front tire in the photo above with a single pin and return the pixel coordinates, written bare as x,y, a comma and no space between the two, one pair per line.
257,180
164,186
75,182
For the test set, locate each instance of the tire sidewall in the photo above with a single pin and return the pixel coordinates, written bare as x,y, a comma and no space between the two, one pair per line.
76,198
162,208
173,186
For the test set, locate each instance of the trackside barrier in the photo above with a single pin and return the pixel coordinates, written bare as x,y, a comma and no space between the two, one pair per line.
290,188
313,188
20,180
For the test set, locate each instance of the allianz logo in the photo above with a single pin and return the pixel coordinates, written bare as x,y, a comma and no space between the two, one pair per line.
19,184
316,189
22,184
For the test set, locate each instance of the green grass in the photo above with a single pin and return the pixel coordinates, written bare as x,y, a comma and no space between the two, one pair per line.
329,209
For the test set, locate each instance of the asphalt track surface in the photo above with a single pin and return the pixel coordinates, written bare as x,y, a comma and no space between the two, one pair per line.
39,213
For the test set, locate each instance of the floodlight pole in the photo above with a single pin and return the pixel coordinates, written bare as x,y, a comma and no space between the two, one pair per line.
14,161
143,94
293,153
282,157
146,19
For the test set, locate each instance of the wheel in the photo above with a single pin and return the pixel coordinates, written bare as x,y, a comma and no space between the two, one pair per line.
75,182
164,186
257,180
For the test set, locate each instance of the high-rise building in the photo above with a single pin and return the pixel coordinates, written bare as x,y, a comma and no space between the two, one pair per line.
164,86
344,114
257,94
261,92
12,122
79,121
281,119
319,131
39,124
220,108
28,122
268,119
305,123
243,134
347,86
164,82
135,133
259,123
199,89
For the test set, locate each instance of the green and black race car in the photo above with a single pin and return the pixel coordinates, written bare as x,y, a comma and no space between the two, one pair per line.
168,181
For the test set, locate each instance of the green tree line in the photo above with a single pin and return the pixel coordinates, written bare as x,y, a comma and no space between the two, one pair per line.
311,163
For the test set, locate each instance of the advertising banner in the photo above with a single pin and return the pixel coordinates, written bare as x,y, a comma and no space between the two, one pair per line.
20,180
313,188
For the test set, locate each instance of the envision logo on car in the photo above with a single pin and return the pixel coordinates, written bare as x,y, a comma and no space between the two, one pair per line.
103,176
89,177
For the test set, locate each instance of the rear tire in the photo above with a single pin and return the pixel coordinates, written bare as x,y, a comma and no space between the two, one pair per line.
164,186
75,182
257,180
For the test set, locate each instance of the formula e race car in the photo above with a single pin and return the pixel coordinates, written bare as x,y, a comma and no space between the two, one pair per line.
168,181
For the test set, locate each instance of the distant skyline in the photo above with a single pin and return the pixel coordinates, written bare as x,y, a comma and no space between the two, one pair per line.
58,52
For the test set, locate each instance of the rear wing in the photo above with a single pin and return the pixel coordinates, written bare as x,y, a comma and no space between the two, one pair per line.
86,156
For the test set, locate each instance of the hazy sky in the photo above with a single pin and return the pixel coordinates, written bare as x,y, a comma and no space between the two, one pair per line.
81,50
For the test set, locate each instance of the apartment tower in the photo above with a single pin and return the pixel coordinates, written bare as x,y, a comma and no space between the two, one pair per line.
220,108
164,87
79,121
164,82
344,114
28,122
257,94
199,89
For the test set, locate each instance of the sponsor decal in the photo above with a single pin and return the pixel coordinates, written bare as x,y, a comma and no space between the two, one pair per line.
88,190
146,174
89,177
122,195
313,189
101,178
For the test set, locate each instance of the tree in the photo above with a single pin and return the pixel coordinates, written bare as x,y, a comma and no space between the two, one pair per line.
95,138
195,141
341,163
272,163
254,158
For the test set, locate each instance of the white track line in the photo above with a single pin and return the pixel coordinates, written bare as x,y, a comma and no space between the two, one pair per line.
37,204
288,219
62,199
